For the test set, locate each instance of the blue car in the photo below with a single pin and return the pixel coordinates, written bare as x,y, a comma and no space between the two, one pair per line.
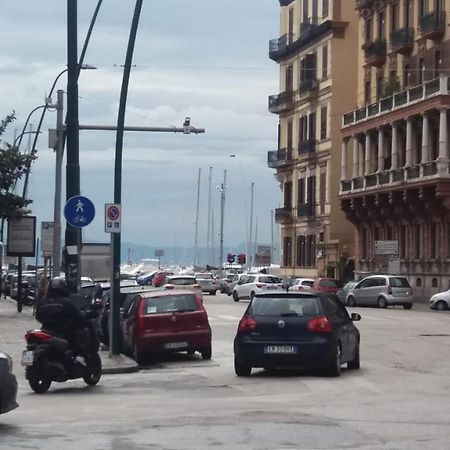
8,385
299,330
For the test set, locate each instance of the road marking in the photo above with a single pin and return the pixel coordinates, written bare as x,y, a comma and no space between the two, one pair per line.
226,317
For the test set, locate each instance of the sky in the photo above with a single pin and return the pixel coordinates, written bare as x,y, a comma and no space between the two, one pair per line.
203,59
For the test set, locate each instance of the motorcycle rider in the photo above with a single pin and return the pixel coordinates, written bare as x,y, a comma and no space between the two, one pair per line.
57,313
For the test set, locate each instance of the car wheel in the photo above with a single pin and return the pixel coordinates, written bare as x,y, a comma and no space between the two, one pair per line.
441,305
355,363
206,353
241,370
382,303
334,369
407,306
351,302
138,356
235,296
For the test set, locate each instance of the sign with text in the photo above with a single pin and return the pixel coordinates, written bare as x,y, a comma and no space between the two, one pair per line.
386,247
21,236
47,230
159,253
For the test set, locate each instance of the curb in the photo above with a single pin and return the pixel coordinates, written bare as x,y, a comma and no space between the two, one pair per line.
117,364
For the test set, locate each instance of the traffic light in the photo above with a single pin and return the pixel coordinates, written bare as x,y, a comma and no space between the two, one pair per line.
230,258
241,258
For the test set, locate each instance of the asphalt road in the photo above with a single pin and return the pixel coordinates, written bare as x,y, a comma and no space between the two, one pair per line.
398,400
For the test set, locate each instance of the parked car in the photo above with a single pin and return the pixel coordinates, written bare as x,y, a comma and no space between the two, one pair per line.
208,283
253,284
381,291
440,301
166,321
342,292
233,282
184,282
330,285
300,284
225,281
8,385
159,278
146,278
307,330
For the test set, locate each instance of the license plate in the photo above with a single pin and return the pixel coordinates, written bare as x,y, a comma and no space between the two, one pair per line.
27,358
280,349
175,345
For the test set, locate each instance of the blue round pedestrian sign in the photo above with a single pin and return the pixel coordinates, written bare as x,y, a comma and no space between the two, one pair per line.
79,211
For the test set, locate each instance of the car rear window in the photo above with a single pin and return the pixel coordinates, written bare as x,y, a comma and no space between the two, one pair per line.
282,306
307,283
399,282
328,283
182,281
204,276
170,303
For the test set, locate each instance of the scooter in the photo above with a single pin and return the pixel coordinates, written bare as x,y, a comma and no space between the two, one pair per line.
49,358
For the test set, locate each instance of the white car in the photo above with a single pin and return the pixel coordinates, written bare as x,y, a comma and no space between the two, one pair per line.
301,284
250,285
440,301
184,282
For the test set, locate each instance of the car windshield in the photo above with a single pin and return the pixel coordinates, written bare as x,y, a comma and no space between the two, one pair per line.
329,283
285,306
170,303
399,282
349,285
185,281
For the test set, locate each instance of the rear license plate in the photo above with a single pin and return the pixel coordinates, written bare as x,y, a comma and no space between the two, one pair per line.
280,349
27,358
175,345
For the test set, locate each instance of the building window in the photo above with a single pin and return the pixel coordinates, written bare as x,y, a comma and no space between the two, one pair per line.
380,80
437,63
311,191
289,78
289,136
417,246
381,33
434,282
376,234
321,236
291,26
287,251
434,240
301,255
323,191
421,70
363,243
310,251
368,29
303,129
422,7
389,233
418,282
305,11
367,91
324,62
403,247
406,75
323,122
394,17
301,191
325,8
408,11
288,194
312,126
315,12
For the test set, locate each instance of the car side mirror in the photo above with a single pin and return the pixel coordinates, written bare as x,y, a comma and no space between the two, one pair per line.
355,317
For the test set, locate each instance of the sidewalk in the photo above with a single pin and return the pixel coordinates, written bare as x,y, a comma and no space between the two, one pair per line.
14,326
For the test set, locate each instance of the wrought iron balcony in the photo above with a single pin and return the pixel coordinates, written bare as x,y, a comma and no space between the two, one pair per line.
283,214
402,40
306,209
308,86
281,102
277,47
432,25
307,147
285,2
375,52
279,158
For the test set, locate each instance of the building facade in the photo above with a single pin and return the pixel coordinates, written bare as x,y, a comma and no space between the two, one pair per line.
395,182
315,52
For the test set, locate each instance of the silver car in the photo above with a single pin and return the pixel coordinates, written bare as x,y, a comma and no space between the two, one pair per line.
381,291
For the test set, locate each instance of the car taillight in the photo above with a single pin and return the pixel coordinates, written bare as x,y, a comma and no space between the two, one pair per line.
196,286
169,286
247,323
260,285
320,325
389,290
37,335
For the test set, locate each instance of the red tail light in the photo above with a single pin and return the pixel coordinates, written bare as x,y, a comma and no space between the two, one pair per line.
320,325
260,285
169,286
37,335
247,323
389,290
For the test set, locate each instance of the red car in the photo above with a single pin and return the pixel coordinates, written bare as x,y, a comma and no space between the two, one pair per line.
326,285
159,278
165,321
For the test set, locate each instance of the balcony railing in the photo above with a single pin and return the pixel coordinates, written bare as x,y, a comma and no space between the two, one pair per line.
306,209
438,86
309,25
281,102
375,52
277,47
279,158
285,2
402,40
282,214
432,25
307,147
429,169
308,86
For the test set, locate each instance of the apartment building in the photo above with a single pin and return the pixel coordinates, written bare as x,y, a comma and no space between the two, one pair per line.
395,182
316,53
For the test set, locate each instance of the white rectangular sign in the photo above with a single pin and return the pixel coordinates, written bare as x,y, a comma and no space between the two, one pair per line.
113,213
386,247
47,230
21,236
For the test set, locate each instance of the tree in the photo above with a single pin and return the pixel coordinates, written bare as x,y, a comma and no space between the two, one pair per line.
13,165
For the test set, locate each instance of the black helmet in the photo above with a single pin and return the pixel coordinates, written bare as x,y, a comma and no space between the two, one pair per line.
58,283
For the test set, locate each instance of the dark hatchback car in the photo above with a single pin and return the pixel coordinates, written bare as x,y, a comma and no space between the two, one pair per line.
304,330
165,321
8,385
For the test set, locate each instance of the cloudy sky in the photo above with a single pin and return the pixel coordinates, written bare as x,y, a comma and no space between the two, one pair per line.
206,59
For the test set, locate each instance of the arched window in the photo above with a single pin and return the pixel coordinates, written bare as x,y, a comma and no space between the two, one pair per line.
434,282
418,282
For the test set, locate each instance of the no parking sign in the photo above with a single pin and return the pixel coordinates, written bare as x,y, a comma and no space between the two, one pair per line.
112,217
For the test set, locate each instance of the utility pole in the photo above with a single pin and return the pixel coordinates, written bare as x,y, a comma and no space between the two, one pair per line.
213,239
208,236
222,215
271,237
250,247
256,238
196,258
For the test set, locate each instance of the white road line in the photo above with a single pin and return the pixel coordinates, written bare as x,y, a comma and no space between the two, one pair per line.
224,316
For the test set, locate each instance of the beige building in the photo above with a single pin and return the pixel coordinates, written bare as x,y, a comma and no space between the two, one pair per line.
316,54
395,150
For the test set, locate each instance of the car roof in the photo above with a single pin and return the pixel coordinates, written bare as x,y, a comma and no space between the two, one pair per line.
181,276
164,293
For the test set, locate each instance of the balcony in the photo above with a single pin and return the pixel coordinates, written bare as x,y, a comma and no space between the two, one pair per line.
433,88
281,102
277,47
279,158
306,209
402,40
432,25
308,87
307,147
375,52
285,2
364,3
309,26
283,214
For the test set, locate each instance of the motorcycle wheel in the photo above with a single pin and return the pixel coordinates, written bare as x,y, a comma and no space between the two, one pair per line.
39,384
95,367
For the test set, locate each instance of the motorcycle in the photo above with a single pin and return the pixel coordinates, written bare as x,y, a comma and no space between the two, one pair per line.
49,358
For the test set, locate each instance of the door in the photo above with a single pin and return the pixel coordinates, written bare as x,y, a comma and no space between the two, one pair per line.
129,323
247,287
